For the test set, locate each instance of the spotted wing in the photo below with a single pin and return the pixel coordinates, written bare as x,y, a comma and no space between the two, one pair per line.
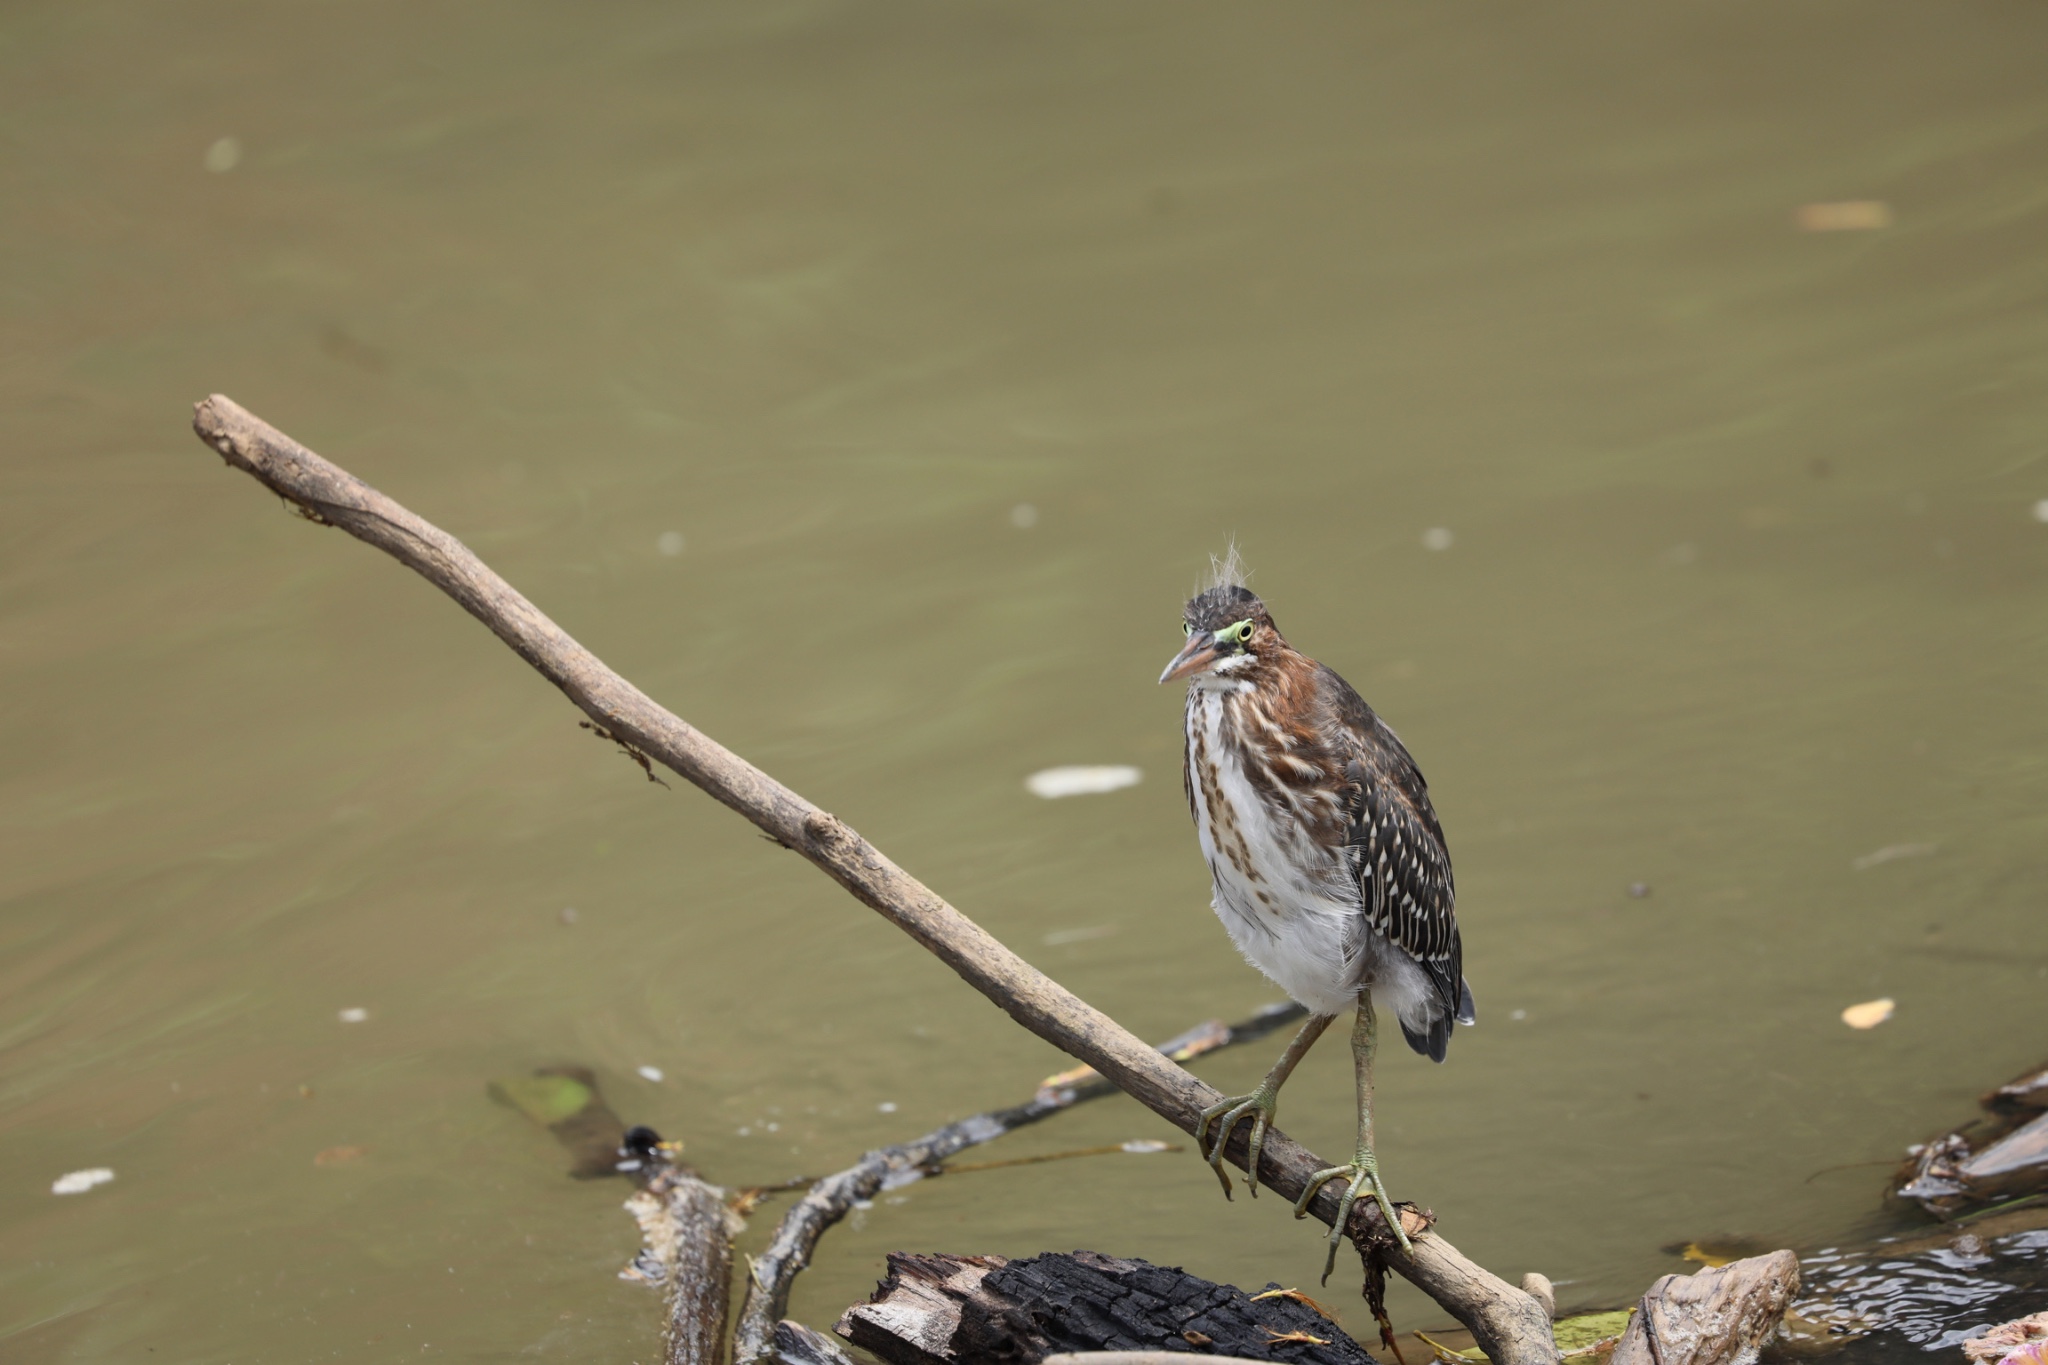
1397,853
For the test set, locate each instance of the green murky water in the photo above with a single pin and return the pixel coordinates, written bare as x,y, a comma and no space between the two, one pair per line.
1745,583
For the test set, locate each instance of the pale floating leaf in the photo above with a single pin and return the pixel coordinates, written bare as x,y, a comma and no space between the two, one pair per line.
1054,783
78,1182
1869,1014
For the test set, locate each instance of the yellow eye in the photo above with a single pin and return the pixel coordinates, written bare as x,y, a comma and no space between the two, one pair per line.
1186,629
1241,632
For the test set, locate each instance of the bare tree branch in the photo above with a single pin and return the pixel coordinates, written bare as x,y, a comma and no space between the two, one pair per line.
1507,1323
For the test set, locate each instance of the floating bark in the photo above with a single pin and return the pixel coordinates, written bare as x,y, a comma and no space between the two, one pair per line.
1508,1323
986,1310
1723,1315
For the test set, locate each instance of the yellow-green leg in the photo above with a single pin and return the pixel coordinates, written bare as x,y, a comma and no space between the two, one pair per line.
1363,1173
1260,1106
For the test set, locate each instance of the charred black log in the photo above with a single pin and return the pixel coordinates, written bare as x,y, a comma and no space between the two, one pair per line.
984,1310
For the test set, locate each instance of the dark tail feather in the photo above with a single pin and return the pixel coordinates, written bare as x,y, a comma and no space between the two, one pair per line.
1437,1041
1433,1044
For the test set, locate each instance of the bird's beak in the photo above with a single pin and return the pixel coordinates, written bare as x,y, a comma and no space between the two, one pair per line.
1198,654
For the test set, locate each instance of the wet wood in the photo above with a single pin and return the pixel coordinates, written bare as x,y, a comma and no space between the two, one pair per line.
688,1232
2015,1164
792,1343
1507,1322
2000,1157
985,1310
1720,1316
2022,1094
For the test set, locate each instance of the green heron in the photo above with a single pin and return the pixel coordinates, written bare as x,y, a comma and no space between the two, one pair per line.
1328,864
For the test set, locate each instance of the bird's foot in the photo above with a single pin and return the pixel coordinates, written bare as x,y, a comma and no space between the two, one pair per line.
1362,1176
1259,1106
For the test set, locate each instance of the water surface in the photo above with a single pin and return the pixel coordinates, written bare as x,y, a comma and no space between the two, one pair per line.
1743,584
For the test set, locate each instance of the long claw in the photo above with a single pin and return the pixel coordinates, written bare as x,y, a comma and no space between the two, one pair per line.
1362,1176
1259,1106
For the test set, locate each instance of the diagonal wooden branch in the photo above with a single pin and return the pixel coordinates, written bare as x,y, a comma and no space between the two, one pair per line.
1507,1323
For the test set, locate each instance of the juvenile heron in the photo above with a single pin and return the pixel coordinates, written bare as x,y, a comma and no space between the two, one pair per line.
1328,864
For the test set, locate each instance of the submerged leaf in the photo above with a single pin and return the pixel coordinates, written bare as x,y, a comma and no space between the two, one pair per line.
1589,1331
547,1100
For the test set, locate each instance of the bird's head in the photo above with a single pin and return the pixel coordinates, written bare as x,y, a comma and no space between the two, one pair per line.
1230,635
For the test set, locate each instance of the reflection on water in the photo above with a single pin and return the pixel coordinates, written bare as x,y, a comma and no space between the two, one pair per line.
1932,1300
870,384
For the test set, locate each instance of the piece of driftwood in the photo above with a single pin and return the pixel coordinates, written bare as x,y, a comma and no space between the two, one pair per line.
792,1343
2022,1094
1721,1316
2001,1156
985,1310
2015,1164
688,1230
828,1200
1508,1323
2002,1341
1538,1287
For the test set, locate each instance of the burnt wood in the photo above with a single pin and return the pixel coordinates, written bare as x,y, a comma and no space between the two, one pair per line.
985,1310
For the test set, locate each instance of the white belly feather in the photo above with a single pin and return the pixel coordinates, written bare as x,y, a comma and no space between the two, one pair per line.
1290,906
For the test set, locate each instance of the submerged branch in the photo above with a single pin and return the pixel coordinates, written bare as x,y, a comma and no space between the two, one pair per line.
1508,1323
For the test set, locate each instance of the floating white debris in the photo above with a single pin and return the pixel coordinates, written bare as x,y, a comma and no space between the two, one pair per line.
354,1014
78,1182
1023,516
886,1107
223,156
1053,783
651,1073
1869,1014
669,543
2041,510
568,914
1142,1146
1518,1015
1891,853
1437,538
